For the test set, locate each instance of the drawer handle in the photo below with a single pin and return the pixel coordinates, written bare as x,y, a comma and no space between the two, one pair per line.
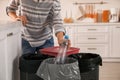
9,34
92,29
92,38
92,48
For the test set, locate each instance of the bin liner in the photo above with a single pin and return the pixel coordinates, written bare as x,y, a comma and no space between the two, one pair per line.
48,70
87,61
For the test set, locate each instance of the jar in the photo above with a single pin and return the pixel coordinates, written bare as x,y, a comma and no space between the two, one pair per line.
105,16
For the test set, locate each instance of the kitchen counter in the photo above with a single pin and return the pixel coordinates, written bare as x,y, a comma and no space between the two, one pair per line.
89,23
4,24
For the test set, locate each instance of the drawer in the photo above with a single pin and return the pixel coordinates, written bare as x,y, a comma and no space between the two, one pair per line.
91,29
100,49
91,38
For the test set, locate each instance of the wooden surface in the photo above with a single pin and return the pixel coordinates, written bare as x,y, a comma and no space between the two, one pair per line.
110,71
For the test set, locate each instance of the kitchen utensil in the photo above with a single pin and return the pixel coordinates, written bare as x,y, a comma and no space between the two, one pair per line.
114,15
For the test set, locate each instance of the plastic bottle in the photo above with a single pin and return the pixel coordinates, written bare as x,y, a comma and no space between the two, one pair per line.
60,59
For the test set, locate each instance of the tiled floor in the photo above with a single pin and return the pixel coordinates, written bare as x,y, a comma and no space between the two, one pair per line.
109,71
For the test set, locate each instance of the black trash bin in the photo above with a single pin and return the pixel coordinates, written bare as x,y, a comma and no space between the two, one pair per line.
88,65
28,65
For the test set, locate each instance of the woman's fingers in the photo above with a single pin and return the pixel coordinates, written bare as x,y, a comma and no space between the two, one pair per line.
23,19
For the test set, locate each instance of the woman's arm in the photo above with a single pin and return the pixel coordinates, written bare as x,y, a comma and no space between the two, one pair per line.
58,23
11,11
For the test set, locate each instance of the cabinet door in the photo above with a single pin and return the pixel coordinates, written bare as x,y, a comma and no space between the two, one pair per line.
115,41
12,50
2,56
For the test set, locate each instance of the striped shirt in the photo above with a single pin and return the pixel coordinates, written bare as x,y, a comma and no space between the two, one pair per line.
42,17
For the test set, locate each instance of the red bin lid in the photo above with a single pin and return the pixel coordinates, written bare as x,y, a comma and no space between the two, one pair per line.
53,51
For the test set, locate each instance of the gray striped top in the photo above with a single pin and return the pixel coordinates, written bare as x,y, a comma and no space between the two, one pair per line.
42,17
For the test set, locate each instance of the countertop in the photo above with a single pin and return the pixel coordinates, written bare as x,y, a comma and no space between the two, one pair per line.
90,23
4,24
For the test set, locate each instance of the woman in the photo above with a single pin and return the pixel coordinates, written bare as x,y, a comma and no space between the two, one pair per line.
39,18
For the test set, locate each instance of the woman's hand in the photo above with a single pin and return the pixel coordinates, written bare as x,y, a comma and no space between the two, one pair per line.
62,41
13,15
60,38
23,19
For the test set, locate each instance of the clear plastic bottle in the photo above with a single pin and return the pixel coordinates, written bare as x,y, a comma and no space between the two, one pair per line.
60,59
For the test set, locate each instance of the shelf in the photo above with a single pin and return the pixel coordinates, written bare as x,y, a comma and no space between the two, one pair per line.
76,3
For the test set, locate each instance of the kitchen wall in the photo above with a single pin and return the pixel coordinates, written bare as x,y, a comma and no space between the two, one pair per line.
67,6
3,4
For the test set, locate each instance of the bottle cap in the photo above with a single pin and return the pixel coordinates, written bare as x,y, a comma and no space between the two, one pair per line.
66,37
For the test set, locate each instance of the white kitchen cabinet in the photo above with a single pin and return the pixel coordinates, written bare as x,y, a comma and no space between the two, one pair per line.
115,42
11,51
100,38
90,38
2,56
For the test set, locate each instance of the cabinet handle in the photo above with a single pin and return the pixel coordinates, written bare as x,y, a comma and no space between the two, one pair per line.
92,48
92,29
92,38
9,34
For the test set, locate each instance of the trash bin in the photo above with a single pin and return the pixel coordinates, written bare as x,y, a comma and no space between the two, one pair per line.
28,65
88,65
69,70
